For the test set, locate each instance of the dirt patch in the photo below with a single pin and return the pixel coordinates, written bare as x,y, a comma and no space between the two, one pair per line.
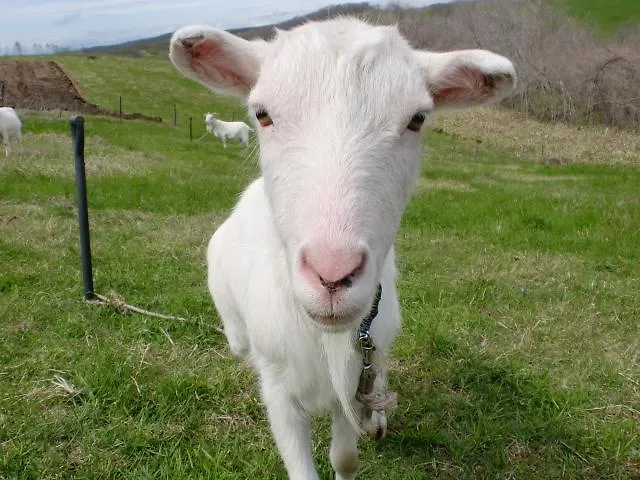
44,85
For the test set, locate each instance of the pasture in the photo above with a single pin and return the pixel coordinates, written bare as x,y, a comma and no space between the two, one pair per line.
520,353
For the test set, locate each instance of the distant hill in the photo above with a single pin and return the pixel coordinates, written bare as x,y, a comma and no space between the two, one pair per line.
159,44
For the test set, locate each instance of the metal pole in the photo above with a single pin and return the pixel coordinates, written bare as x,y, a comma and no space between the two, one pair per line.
77,140
175,115
120,108
1,93
191,129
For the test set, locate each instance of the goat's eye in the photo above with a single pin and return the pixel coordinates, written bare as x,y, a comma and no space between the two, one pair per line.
263,118
416,122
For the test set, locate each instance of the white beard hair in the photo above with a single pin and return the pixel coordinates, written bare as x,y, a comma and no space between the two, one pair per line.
341,354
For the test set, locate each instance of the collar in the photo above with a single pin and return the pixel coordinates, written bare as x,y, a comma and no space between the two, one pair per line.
365,342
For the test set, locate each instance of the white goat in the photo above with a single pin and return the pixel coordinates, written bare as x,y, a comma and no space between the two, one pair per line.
227,130
10,128
295,268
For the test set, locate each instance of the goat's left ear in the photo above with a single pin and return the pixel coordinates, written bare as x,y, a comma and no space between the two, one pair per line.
467,77
218,59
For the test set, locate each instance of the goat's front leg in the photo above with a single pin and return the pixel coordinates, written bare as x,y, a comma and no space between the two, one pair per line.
344,446
376,424
290,425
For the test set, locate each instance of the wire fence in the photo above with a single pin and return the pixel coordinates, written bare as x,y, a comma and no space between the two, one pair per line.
193,127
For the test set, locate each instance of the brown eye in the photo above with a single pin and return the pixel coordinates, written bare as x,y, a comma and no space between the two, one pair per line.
416,122
263,118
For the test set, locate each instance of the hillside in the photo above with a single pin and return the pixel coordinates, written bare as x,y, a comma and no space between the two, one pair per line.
566,72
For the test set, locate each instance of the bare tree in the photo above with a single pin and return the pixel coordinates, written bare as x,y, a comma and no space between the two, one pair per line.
566,72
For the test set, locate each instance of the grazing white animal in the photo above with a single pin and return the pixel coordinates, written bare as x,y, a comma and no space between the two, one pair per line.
227,130
10,128
296,267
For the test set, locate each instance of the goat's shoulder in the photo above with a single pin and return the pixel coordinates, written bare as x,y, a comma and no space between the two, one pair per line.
251,215
246,259
248,236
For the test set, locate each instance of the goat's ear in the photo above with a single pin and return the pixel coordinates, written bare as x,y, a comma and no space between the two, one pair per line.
467,77
221,61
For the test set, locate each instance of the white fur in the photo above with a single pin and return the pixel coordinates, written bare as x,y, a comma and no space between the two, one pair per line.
10,128
295,267
227,130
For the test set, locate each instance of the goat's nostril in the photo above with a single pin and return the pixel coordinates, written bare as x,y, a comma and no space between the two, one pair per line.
333,269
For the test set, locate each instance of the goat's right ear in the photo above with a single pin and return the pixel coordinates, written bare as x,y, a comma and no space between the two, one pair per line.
464,78
219,60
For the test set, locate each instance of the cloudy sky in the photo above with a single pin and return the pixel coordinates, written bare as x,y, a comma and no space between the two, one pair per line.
95,22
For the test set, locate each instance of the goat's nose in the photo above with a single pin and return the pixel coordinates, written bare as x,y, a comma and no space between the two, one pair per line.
332,268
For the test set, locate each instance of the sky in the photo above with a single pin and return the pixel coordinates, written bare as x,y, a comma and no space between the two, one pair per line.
84,23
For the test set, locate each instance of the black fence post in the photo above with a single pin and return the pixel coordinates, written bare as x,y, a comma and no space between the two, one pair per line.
77,139
175,115
191,129
120,106
1,93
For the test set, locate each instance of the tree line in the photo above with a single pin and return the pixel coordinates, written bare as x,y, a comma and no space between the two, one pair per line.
19,48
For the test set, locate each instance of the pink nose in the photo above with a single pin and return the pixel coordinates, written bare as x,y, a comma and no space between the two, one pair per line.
330,268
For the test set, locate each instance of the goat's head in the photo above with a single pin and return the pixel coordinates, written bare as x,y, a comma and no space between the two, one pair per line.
339,107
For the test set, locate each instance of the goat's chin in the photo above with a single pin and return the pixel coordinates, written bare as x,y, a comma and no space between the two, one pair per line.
335,323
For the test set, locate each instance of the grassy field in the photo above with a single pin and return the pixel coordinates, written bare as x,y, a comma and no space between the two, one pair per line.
609,15
520,354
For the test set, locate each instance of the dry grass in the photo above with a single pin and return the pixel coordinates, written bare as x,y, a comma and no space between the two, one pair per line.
33,226
525,137
566,71
426,183
49,154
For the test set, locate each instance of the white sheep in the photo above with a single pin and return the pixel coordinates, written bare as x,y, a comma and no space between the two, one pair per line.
295,269
227,130
10,128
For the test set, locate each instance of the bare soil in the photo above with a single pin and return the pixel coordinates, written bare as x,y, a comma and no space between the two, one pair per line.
44,85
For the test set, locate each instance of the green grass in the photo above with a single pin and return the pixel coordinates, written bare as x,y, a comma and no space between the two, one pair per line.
609,15
519,356
151,86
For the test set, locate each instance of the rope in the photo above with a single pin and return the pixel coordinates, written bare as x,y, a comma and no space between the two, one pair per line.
378,401
373,402
116,301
